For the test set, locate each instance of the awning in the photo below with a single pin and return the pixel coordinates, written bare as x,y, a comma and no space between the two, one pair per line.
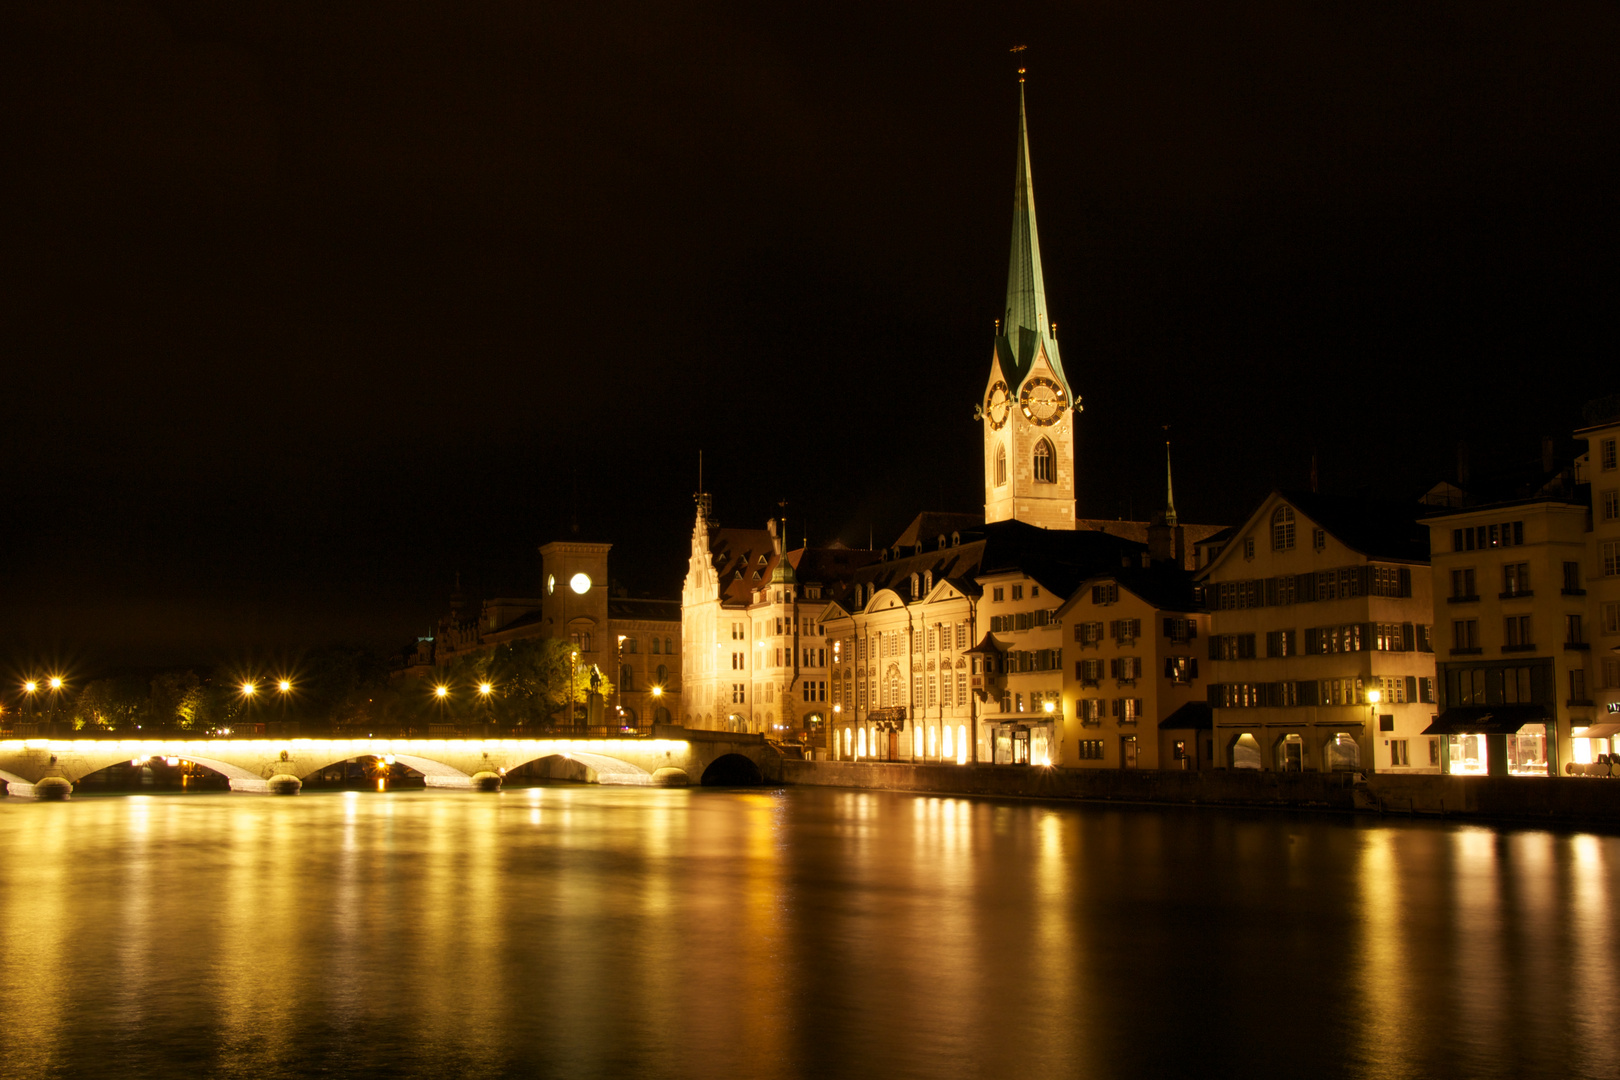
1487,719
1193,716
1598,731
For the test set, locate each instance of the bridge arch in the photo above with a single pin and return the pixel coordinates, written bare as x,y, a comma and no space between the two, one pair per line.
608,770
732,770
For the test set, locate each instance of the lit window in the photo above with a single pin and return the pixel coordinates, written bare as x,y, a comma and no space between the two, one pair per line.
1001,466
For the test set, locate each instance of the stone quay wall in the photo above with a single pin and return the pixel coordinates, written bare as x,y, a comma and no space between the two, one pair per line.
1561,800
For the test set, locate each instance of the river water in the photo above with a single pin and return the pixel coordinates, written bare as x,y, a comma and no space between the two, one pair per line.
603,932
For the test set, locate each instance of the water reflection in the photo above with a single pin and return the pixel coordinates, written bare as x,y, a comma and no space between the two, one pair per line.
596,931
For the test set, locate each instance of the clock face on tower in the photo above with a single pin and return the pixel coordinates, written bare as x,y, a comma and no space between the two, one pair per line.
997,405
1043,401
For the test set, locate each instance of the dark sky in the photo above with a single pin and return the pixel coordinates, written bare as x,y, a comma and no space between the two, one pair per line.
309,305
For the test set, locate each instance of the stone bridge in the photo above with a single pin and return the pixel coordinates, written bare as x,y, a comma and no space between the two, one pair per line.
49,768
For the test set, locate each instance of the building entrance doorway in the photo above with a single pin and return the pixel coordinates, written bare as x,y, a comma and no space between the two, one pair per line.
1127,751
1291,754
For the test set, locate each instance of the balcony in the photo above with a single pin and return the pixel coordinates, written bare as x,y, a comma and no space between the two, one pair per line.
1573,592
1469,599
1578,703
1577,646
1090,684
1518,648
1515,594
1467,650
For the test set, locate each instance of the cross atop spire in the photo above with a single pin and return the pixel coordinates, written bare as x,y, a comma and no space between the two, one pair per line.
1026,325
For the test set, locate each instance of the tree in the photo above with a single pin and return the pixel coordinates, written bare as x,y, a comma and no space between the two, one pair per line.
532,680
112,703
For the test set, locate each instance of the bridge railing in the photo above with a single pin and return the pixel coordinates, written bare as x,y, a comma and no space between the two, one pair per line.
295,730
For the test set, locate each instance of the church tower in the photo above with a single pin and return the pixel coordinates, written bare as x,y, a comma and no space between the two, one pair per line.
1028,411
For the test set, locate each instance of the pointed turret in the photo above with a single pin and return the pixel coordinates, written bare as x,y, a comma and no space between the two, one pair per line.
1026,326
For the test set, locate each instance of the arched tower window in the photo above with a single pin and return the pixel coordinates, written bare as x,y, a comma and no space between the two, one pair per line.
1282,529
1045,471
1001,466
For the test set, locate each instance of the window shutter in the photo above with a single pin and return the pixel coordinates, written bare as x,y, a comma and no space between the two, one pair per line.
1137,713
1169,668
1406,581
1136,667
1169,628
1411,688
1408,640
1113,668
1214,646
1212,694
1192,670
1113,706
1305,588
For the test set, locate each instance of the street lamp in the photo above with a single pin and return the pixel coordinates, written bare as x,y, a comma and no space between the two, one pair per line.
56,682
284,686
249,689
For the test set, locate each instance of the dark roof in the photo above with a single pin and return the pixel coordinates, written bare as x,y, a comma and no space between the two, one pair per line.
1166,586
752,554
633,607
1376,528
927,527
1487,719
1193,716
1057,558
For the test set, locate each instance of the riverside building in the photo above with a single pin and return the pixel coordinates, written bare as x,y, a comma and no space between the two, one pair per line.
1320,646
1527,593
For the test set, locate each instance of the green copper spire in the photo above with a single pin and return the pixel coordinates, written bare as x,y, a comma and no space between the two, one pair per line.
1026,324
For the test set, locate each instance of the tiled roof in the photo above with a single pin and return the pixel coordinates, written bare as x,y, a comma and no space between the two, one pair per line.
751,552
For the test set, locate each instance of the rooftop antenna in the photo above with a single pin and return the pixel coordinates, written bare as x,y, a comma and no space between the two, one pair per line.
1018,52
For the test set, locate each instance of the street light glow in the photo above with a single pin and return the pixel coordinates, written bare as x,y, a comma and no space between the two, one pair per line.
441,691
486,688
284,686
658,691
249,689
30,686
56,682
1374,697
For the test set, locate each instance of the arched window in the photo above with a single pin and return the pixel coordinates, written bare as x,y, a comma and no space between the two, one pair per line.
663,674
626,678
1045,471
655,646
1001,466
1282,529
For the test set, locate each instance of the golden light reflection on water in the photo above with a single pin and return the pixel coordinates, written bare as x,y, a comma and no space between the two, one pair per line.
571,930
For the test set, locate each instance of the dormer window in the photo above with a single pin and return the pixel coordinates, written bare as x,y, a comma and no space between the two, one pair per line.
916,587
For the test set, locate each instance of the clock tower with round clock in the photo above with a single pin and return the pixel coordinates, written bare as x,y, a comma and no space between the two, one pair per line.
1028,409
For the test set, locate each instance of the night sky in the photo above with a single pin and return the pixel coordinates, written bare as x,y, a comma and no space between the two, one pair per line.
309,306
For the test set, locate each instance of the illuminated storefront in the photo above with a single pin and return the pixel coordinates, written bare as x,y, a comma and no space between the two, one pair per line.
1502,740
